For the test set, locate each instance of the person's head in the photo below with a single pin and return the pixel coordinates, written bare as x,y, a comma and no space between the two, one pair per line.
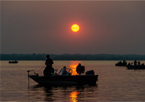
47,56
79,64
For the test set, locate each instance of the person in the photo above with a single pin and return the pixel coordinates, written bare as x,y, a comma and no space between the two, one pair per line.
64,72
135,62
124,61
120,62
129,64
80,69
48,63
138,62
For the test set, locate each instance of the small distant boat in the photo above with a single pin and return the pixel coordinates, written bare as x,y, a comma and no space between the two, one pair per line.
65,79
13,61
124,63
136,66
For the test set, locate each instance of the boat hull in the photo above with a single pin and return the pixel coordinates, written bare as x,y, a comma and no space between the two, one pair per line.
120,64
135,67
13,61
65,80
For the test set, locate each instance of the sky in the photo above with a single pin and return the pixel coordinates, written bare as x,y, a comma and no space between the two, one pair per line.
106,27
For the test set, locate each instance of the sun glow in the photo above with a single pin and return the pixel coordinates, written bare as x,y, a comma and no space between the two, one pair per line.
73,96
73,67
75,27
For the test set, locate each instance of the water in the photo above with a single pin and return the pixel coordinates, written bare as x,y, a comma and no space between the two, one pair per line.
115,83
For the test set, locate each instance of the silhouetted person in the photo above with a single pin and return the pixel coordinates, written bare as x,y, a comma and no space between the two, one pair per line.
135,62
48,63
129,64
64,72
138,62
124,61
120,62
80,69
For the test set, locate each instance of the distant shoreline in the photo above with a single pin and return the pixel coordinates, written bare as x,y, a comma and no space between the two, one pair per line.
72,57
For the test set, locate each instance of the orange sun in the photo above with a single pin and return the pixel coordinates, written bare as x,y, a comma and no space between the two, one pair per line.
75,27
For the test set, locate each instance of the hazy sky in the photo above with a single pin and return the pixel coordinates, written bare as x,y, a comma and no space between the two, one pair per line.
108,27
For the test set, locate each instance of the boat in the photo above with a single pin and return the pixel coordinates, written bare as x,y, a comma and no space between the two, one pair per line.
120,64
15,61
136,66
64,79
124,63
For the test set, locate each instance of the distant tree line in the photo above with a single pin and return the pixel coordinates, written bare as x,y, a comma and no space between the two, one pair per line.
71,57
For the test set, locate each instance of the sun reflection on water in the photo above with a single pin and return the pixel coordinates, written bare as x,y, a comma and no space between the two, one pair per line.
73,67
73,96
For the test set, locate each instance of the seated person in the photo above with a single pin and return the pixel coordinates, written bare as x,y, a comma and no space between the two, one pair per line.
80,69
64,72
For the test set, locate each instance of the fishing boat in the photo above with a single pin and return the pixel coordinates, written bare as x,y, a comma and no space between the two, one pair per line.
136,66
15,61
64,77
120,63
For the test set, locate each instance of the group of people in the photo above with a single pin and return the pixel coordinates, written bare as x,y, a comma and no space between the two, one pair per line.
124,61
49,70
136,63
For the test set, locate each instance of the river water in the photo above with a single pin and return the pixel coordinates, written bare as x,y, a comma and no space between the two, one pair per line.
114,83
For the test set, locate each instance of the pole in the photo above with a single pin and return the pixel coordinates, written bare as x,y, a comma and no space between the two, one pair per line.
28,78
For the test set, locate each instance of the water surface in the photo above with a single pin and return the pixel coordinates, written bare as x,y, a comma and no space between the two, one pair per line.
115,83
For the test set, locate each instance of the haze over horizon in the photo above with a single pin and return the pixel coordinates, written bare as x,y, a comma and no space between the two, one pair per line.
106,27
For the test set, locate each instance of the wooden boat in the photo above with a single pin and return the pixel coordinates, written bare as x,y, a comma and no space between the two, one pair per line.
65,79
13,61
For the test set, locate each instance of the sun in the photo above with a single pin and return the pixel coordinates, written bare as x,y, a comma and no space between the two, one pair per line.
75,27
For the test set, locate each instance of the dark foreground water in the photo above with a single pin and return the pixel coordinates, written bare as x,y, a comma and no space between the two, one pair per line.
115,83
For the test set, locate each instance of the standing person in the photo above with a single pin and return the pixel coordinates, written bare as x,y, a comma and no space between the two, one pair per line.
124,61
138,62
48,63
135,62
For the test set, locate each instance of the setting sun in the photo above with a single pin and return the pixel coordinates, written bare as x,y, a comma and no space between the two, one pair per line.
75,27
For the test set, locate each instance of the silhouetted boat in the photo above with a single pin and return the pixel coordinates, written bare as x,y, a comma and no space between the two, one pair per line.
65,79
120,64
13,61
135,66
124,63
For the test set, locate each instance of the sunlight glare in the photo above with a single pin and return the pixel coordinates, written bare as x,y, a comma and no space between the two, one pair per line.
73,67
